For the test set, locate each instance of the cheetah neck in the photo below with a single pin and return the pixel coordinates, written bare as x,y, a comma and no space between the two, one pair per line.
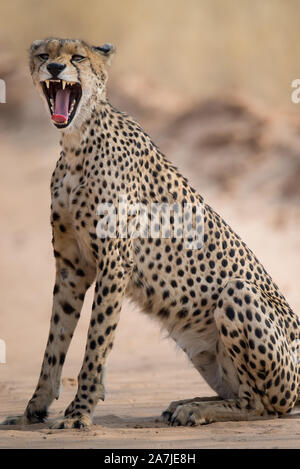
75,138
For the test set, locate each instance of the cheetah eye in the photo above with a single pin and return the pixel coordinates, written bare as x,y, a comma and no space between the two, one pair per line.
78,58
43,57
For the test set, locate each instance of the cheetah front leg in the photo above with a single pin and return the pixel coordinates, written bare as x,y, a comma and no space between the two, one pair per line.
73,277
111,281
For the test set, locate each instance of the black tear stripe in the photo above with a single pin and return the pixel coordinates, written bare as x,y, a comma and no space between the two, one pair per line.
78,72
41,65
92,69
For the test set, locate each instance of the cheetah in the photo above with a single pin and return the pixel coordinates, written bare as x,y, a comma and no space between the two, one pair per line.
216,301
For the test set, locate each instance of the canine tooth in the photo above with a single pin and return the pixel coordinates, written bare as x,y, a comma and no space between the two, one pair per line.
48,83
63,84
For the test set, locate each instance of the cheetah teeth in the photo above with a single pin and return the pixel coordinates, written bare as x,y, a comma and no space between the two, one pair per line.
71,107
64,83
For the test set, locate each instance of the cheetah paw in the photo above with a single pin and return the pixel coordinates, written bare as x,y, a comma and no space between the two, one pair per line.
166,416
190,415
81,421
15,420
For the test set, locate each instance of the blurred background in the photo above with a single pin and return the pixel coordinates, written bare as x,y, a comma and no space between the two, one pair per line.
195,48
210,80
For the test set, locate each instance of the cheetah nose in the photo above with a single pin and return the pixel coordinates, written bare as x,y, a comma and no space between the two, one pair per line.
55,68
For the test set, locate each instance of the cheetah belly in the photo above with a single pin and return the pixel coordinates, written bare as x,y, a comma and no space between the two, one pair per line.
217,369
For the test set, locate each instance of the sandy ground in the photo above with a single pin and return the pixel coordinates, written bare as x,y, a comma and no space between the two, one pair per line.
145,370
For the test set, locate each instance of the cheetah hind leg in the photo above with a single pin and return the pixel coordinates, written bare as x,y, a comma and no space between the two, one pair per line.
246,319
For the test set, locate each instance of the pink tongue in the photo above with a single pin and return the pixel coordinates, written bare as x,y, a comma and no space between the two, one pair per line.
61,109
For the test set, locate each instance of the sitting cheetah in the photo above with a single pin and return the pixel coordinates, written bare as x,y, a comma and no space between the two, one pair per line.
216,301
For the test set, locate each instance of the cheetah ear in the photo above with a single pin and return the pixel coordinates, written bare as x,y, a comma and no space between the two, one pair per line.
107,51
36,44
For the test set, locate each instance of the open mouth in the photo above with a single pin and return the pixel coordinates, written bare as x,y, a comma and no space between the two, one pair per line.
63,98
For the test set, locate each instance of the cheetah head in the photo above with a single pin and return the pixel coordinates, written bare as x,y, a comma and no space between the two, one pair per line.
71,77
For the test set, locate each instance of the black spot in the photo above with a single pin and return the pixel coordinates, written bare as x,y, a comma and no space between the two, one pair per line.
230,313
80,273
163,312
247,299
249,314
197,312
182,313
67,308
56,318
258,333
100,340
251,344
92,345
241,317
100,318
274,400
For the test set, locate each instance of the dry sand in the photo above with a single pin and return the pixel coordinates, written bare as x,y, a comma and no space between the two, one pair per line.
145,371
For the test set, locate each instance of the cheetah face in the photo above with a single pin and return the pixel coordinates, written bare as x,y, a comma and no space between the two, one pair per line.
71,77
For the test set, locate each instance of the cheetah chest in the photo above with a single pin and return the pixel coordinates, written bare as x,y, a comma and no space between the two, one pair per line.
73,208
